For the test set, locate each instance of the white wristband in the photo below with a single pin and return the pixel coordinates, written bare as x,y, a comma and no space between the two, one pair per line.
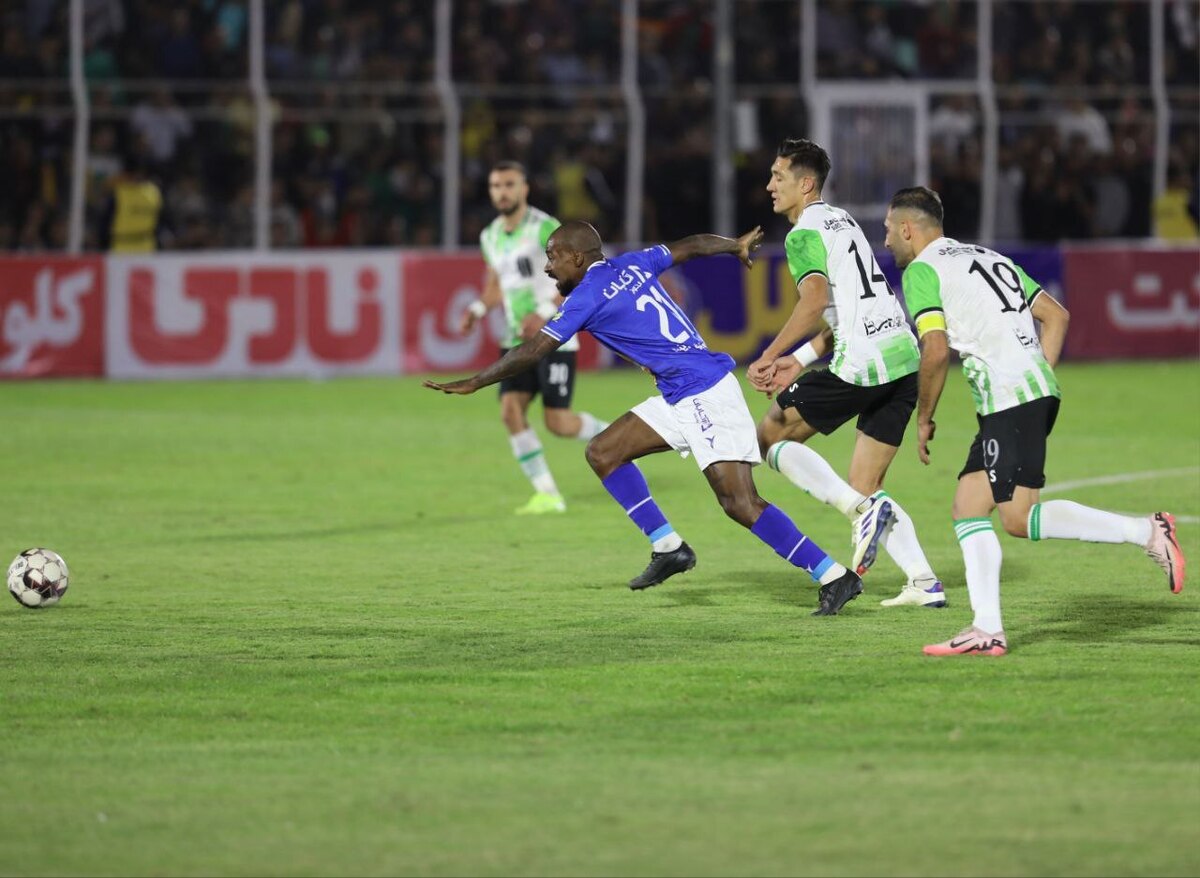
478,308
806,354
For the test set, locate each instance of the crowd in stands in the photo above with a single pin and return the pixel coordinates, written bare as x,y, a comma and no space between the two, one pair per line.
357,117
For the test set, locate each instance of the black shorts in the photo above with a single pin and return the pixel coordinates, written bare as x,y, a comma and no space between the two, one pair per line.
1011,447
826,402
553,377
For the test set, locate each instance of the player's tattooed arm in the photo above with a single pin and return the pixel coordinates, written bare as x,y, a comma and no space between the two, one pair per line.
517,360
694,246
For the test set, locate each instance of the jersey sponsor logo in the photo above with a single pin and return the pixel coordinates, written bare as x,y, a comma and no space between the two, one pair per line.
962,250
630,277
1030,342
894,323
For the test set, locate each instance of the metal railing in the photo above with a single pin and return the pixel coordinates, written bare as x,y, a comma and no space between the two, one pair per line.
1170,105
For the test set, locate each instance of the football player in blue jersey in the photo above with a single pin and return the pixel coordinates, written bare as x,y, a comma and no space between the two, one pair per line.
700,409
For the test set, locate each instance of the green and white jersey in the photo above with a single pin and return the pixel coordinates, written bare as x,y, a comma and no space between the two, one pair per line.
872,341
519,260
982,301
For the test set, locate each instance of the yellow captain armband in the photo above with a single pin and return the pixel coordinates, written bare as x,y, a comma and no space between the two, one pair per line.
930,319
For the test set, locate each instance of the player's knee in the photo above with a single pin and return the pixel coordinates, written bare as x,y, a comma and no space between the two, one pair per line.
768,435
866,484
513,418
559,423
600,458
741,508
1015,522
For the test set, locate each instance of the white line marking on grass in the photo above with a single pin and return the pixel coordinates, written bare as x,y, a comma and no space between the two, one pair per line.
1179,519
1119,478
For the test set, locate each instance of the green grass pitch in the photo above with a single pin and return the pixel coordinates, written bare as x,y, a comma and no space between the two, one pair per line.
306,635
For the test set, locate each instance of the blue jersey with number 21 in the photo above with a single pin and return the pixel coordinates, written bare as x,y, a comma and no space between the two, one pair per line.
622,304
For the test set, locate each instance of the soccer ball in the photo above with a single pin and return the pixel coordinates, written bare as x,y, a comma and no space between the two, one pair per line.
37,578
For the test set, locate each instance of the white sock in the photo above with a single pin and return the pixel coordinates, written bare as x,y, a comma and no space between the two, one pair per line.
902,545
832,572
527,449
812,474
589,426
982,556
669,543
1067,520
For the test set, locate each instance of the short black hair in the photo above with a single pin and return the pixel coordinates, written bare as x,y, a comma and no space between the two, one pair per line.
806,154
510,165
919,198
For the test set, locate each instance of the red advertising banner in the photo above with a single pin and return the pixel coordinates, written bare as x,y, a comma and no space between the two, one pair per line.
437,289
1132,303
51,317
227,314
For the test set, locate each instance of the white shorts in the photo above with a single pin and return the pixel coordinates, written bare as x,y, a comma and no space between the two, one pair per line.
713,425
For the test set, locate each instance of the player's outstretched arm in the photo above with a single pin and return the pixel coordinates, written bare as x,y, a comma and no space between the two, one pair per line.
804,319
935,363
514,362
1054,319
693,246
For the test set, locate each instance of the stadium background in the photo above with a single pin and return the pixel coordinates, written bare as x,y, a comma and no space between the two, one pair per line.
306,635
365,128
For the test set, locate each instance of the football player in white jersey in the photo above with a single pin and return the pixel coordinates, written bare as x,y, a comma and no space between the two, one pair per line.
872,376
984,305
514,248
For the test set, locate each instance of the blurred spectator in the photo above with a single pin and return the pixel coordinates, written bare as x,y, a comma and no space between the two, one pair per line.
1175,215
1010,181
1077,118
1110,194
952,122
132,221
286,230
357,123
161,124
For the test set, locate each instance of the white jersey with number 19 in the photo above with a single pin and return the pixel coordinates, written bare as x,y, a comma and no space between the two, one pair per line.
983,302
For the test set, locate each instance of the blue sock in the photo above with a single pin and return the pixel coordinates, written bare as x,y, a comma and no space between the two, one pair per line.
628,487
777,530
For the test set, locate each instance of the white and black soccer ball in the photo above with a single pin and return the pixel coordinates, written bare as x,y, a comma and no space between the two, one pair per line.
37,578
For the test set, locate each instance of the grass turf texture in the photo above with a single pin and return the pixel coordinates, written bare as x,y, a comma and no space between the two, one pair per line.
305,634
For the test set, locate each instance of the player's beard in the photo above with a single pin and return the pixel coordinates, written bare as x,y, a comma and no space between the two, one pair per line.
509,209
565,287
